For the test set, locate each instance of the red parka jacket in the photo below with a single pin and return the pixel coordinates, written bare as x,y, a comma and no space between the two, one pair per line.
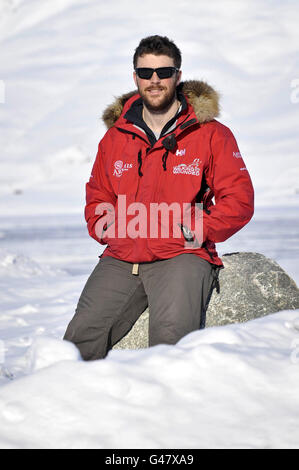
199,161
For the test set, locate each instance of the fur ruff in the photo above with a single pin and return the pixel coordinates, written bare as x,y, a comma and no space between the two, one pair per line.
202,97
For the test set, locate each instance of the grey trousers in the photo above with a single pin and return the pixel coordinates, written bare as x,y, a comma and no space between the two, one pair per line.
175,290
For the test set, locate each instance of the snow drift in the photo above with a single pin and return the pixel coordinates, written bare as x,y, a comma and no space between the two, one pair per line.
234,386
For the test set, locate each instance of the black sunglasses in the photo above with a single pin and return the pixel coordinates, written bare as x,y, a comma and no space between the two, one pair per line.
162,72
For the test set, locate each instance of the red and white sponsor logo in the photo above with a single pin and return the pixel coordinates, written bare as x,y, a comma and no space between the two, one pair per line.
237,155
180,153
190,169
120,167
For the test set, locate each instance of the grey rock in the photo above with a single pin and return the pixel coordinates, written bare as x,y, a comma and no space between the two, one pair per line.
137,338
251,286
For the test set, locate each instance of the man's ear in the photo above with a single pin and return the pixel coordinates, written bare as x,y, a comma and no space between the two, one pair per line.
179,78
135,78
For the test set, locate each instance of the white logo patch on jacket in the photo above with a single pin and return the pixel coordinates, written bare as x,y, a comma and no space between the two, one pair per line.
120,167
190,169
237,155
180,153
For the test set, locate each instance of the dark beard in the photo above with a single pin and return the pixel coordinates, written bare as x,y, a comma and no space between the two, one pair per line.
163,106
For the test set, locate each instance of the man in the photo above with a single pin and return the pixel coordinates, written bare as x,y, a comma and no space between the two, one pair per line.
163,158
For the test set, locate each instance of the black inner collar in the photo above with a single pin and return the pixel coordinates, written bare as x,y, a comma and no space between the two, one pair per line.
134,115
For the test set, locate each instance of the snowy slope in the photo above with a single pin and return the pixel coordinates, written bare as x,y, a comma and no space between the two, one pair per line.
63,61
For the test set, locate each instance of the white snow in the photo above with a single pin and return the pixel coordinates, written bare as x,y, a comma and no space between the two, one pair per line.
62,62
224,387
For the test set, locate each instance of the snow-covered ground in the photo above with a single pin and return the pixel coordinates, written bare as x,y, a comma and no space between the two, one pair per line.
62,62
226,387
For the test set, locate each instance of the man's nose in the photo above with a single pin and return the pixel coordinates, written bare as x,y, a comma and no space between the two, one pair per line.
155,78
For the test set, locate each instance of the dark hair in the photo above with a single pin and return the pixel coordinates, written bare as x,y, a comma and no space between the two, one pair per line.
158,45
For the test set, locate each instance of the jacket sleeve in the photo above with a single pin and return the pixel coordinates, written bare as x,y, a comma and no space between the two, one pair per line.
100,198
231,184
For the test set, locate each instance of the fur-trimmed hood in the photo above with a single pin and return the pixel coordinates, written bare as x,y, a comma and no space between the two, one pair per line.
202,97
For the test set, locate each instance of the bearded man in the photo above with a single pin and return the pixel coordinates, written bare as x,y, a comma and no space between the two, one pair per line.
167,184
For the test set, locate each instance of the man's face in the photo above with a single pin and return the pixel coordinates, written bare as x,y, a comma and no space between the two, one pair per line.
157,94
